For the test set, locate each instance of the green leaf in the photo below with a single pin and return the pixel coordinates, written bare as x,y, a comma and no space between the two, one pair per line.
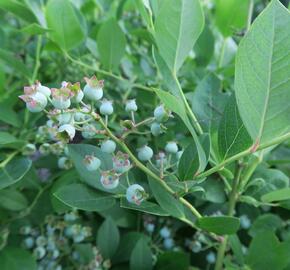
12,200
127,243
9,59
18,9
204,47
11,258
176,36
173,260
9,141
111,44
231,15
236,246
65,24
34,29
277,195
220,225
145,206
208,101
262,80
141,256
108,238
14,171
188,163
145,11
84,198
266,222
233,137
271,253
167,201
77,153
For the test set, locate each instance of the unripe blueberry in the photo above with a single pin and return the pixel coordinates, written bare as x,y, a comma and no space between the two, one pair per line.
79,116
25,230
131,106
35,102
150,227
64,163
61,104
106,107
44,149
70,216
65,118
55,254
196,247
245,222
109,179
108,146
156,129
168,243
29,149
92,163
93,90
211,257
165,232
78,97
40,241
171,148
68,131
29,242
39,252
121,162
135,194
89,131
161,114
61,98
43,89
145,153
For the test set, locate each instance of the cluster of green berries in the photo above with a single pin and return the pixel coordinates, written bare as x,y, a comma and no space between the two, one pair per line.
59,237
69,114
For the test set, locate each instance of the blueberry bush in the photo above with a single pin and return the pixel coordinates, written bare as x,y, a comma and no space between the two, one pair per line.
144,134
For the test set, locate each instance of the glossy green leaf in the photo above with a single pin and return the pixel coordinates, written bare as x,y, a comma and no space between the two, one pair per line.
236,247
108,238
176,36
231,15
277,195
272,254
34,29
14,171
262,80
13,258
12,200
65,24
7,140
19,9
220,225
111,44
265,223
233,137
145,206
141,256
81,197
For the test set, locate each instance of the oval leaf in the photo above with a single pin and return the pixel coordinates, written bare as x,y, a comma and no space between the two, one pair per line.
219,225
262,80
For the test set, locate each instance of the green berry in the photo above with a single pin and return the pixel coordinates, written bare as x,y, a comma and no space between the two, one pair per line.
171,148
156,129
145,153
135,194
161,114
92,163
131,106
108,146
106,107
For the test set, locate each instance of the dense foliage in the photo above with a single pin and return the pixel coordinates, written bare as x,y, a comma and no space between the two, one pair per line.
151,134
